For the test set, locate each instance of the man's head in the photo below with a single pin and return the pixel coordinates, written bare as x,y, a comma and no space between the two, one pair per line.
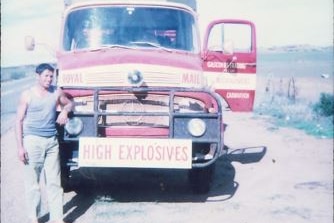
42,67
44,73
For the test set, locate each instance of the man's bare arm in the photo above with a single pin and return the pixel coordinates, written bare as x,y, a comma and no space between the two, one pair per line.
67,106
20,114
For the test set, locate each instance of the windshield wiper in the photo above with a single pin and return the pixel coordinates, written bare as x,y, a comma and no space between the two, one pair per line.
105,46
115,46
109,46
132,46
144,43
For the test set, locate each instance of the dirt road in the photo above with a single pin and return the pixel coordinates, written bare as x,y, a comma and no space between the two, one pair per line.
271,175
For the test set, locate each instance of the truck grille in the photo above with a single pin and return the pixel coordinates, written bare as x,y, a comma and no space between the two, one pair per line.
137,109
130,110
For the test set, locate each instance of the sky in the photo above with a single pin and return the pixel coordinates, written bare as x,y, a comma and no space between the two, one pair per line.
277,22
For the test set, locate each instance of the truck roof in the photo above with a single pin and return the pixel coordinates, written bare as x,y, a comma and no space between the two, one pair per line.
184,3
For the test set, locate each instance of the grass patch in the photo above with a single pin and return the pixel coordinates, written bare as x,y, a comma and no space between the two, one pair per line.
315,119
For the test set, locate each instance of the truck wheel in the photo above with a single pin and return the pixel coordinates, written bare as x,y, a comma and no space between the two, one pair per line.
200,179
65,153
65,179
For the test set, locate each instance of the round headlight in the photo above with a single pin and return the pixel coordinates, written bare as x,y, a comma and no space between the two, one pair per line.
74,126
196,127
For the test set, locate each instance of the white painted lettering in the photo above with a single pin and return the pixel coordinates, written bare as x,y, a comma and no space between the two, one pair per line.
191,78
75,78
237,95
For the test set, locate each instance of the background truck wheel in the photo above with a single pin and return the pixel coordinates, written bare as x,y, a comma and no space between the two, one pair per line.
200,179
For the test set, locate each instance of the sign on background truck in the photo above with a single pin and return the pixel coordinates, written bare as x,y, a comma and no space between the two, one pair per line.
146,94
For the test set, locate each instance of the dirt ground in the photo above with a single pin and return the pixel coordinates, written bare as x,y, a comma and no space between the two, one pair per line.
270,175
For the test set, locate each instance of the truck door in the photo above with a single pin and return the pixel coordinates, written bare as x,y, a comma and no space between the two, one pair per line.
229,62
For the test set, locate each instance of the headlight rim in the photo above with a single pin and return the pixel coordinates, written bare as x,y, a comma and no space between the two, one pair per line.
193,125
70,130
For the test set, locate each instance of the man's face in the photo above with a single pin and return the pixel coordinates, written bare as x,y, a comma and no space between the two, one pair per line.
45,78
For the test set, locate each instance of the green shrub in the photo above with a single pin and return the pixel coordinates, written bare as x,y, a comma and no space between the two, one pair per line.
325,106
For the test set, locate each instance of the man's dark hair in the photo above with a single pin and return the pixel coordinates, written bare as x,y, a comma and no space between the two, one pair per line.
44,66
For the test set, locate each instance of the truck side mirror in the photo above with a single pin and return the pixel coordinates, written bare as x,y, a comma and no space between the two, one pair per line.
29,42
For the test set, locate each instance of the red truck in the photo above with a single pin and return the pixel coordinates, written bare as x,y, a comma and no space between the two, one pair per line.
147,93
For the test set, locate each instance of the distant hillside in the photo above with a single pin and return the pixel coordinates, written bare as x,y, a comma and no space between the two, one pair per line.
17,72
296,48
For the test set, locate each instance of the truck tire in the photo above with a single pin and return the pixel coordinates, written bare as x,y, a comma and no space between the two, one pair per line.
65,179
200,179
64,155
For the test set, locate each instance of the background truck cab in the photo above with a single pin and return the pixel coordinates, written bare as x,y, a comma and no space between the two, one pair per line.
146,94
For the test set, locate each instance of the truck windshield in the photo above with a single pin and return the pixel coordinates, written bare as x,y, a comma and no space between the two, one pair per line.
126,26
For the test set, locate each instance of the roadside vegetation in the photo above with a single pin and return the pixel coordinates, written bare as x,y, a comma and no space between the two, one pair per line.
282,103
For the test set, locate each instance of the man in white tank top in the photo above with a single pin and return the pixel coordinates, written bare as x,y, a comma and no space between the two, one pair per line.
37,141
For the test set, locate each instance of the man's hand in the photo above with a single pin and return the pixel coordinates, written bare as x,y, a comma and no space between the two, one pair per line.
23,156
62,118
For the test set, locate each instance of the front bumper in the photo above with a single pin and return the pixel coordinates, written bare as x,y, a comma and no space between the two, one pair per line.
146,118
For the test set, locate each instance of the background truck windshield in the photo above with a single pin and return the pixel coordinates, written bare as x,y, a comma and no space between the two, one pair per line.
96,27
